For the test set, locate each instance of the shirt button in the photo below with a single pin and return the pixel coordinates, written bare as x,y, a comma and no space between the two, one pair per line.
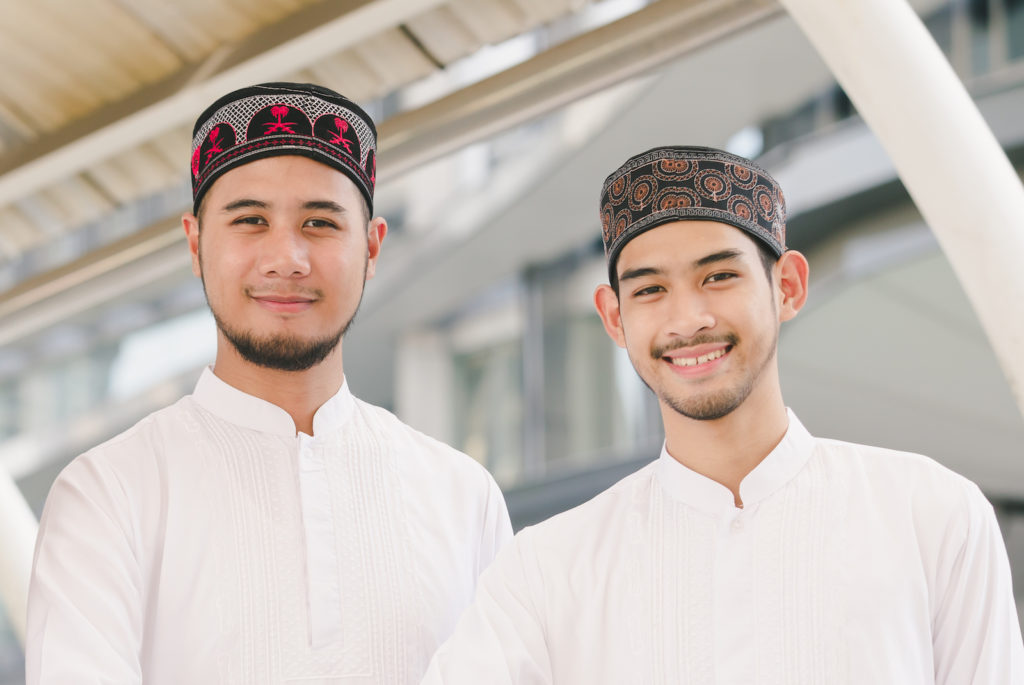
737,524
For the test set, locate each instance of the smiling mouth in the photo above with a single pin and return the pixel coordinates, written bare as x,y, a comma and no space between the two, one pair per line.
701,359
285,300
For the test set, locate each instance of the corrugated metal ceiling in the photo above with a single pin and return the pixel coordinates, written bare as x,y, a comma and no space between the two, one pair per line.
74,68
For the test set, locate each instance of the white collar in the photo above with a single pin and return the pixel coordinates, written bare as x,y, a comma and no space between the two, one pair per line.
242,409
778,468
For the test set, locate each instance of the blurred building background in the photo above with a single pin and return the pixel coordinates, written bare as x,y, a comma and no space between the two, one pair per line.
499,120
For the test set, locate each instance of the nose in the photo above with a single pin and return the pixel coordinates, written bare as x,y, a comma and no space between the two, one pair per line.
689,314
284,254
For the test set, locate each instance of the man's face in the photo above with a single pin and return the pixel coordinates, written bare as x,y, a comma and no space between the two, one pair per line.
284,252
697,315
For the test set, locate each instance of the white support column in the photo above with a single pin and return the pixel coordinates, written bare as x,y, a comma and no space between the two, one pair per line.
17,542
423,383
944,152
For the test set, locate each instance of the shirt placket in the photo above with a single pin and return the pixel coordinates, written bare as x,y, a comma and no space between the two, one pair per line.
734,602
323,584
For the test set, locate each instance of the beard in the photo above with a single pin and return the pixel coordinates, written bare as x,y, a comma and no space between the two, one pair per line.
282,352
713,405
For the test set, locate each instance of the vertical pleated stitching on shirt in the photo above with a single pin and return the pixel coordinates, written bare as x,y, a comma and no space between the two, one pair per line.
351,653
819,550
796,518
239,453
282,541
350,523
642,581
267,489
354,471
806,619
245,608
365,462
699,549
684,548
264,582
662,545
836,653
371,467
412,657
771,553
213,445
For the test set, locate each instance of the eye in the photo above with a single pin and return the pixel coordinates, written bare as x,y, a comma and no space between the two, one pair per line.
719,277
250,224
648,290
321,224
250,220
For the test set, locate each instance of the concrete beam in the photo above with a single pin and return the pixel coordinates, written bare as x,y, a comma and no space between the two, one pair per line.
633,45
323,30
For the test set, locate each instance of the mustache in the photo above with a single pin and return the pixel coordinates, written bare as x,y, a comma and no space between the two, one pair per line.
311,293
661,350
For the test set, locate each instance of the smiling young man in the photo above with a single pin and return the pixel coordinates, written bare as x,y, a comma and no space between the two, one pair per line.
270,527
749,552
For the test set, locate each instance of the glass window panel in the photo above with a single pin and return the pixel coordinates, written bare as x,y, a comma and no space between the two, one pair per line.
489,408
940,24
593,411
8,409
1015,28
800,122
842,106
980,16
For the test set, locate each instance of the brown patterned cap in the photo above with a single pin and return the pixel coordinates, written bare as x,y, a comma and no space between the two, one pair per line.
680,183
284,119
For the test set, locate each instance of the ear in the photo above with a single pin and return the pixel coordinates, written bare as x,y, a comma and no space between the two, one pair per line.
607,304
791,272
375,233
191,225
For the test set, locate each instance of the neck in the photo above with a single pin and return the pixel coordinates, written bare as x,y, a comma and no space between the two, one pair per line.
727,449
300,393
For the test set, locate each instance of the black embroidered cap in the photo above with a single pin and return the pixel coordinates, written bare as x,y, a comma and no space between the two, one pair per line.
679,183
284,119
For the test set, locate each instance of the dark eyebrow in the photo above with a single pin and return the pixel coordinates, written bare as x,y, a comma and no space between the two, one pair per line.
315,205
722,256
324,206
245,203
639,273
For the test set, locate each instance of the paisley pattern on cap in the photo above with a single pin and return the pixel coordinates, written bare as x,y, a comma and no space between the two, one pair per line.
679,183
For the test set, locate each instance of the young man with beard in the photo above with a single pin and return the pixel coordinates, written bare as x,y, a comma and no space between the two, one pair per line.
749,552
270,527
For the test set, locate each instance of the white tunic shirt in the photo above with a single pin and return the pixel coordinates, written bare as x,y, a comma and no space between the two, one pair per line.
847,565
211,544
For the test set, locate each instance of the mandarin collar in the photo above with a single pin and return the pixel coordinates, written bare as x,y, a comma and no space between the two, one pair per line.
776,470
242,409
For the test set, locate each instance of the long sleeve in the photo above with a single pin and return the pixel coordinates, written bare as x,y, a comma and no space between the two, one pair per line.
85,597
500,638
976,634
497,528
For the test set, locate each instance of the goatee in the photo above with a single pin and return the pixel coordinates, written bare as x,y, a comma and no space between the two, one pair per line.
712,405
281,352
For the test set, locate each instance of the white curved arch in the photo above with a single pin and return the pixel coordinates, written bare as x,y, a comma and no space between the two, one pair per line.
944,152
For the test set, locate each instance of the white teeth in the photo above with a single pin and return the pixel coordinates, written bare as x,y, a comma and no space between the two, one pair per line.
702,359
